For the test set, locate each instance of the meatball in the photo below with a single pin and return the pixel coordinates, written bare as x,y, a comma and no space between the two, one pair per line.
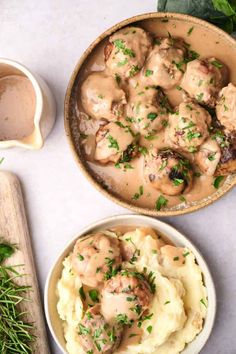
226,108
93,256
149,116
96,335
127,50
125,297
188,127
168,172
102,97
227,143
112,142
208,157
203,79
165,64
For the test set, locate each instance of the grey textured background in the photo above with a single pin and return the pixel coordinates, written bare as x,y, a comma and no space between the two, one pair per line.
49,36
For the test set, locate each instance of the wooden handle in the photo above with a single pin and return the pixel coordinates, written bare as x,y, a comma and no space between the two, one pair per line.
13,228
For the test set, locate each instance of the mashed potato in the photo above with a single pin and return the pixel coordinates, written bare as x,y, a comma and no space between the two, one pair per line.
178,307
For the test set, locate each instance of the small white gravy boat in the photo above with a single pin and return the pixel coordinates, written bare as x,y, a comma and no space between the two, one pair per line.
45,107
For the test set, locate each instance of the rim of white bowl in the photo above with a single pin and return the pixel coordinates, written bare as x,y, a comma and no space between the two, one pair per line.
177,238
38,105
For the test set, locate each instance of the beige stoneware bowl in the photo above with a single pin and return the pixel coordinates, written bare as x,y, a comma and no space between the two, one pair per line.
205,34
50,297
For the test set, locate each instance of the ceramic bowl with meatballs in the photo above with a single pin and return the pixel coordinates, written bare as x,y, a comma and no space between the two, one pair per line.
150,113
130,284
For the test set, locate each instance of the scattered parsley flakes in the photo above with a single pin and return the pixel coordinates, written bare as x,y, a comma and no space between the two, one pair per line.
178,181
190,31
217,181
122,63
93,294
152,116
176,258
137,195
186,254
161,202
217,64
80,257
182,199
167,302
82,293
149,329
113,143
148,72
118,78
203,302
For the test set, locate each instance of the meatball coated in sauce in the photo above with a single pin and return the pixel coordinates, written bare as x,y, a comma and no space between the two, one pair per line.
127,50
90,258
165,64
102,97
96,335
208,157
125,297
168,171
226,108
203,79
227,163
112,141
188,127
149,114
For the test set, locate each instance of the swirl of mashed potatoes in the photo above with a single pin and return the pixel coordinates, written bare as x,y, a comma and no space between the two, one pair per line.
165,280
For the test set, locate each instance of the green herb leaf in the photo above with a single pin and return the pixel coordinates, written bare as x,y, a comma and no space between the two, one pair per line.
152,116
6,251
217,64
148,72
82,293
137,195
178,181
113,143
93,294
149,329
217,181
80,257
161,202
190,31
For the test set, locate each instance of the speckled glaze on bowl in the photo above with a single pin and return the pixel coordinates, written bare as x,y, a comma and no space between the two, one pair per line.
71,118
174,236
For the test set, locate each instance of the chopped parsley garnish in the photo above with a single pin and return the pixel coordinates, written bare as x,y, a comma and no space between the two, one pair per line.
193,135
176,258
217,181
190,31
163,165
186,254
154,251
199,97
192,149
161,202
150,136
113,143
83,330
120,44
152,116
82,136
135,256
89,315
132,335
178,181
167,302
182,199
122,318
134,70
217,64
179,65
143,150
93,294
131,298
137,309
122,63
203,302
179,88
149,329
137,195
80,257
148,72
100,96
82,293
118,78
212,156
145,318
197,174
164,123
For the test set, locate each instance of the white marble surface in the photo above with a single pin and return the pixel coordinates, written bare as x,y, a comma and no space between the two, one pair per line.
49,36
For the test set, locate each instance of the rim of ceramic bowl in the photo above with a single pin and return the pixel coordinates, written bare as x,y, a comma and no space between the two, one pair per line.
84,168
170,232
38,108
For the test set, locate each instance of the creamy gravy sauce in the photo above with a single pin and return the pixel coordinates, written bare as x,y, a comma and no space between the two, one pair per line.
17,107
125,183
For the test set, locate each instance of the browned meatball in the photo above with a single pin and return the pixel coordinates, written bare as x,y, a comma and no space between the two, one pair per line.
112,141
165,64
188,127
125,297
102,97
208,157
92,258
203,80
226,108
96,335
227,143
168,172
126,51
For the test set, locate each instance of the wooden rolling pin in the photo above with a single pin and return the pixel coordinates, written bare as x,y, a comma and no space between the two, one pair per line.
14,229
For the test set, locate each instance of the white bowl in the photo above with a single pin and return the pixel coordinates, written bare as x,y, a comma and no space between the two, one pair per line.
50,298
45,109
